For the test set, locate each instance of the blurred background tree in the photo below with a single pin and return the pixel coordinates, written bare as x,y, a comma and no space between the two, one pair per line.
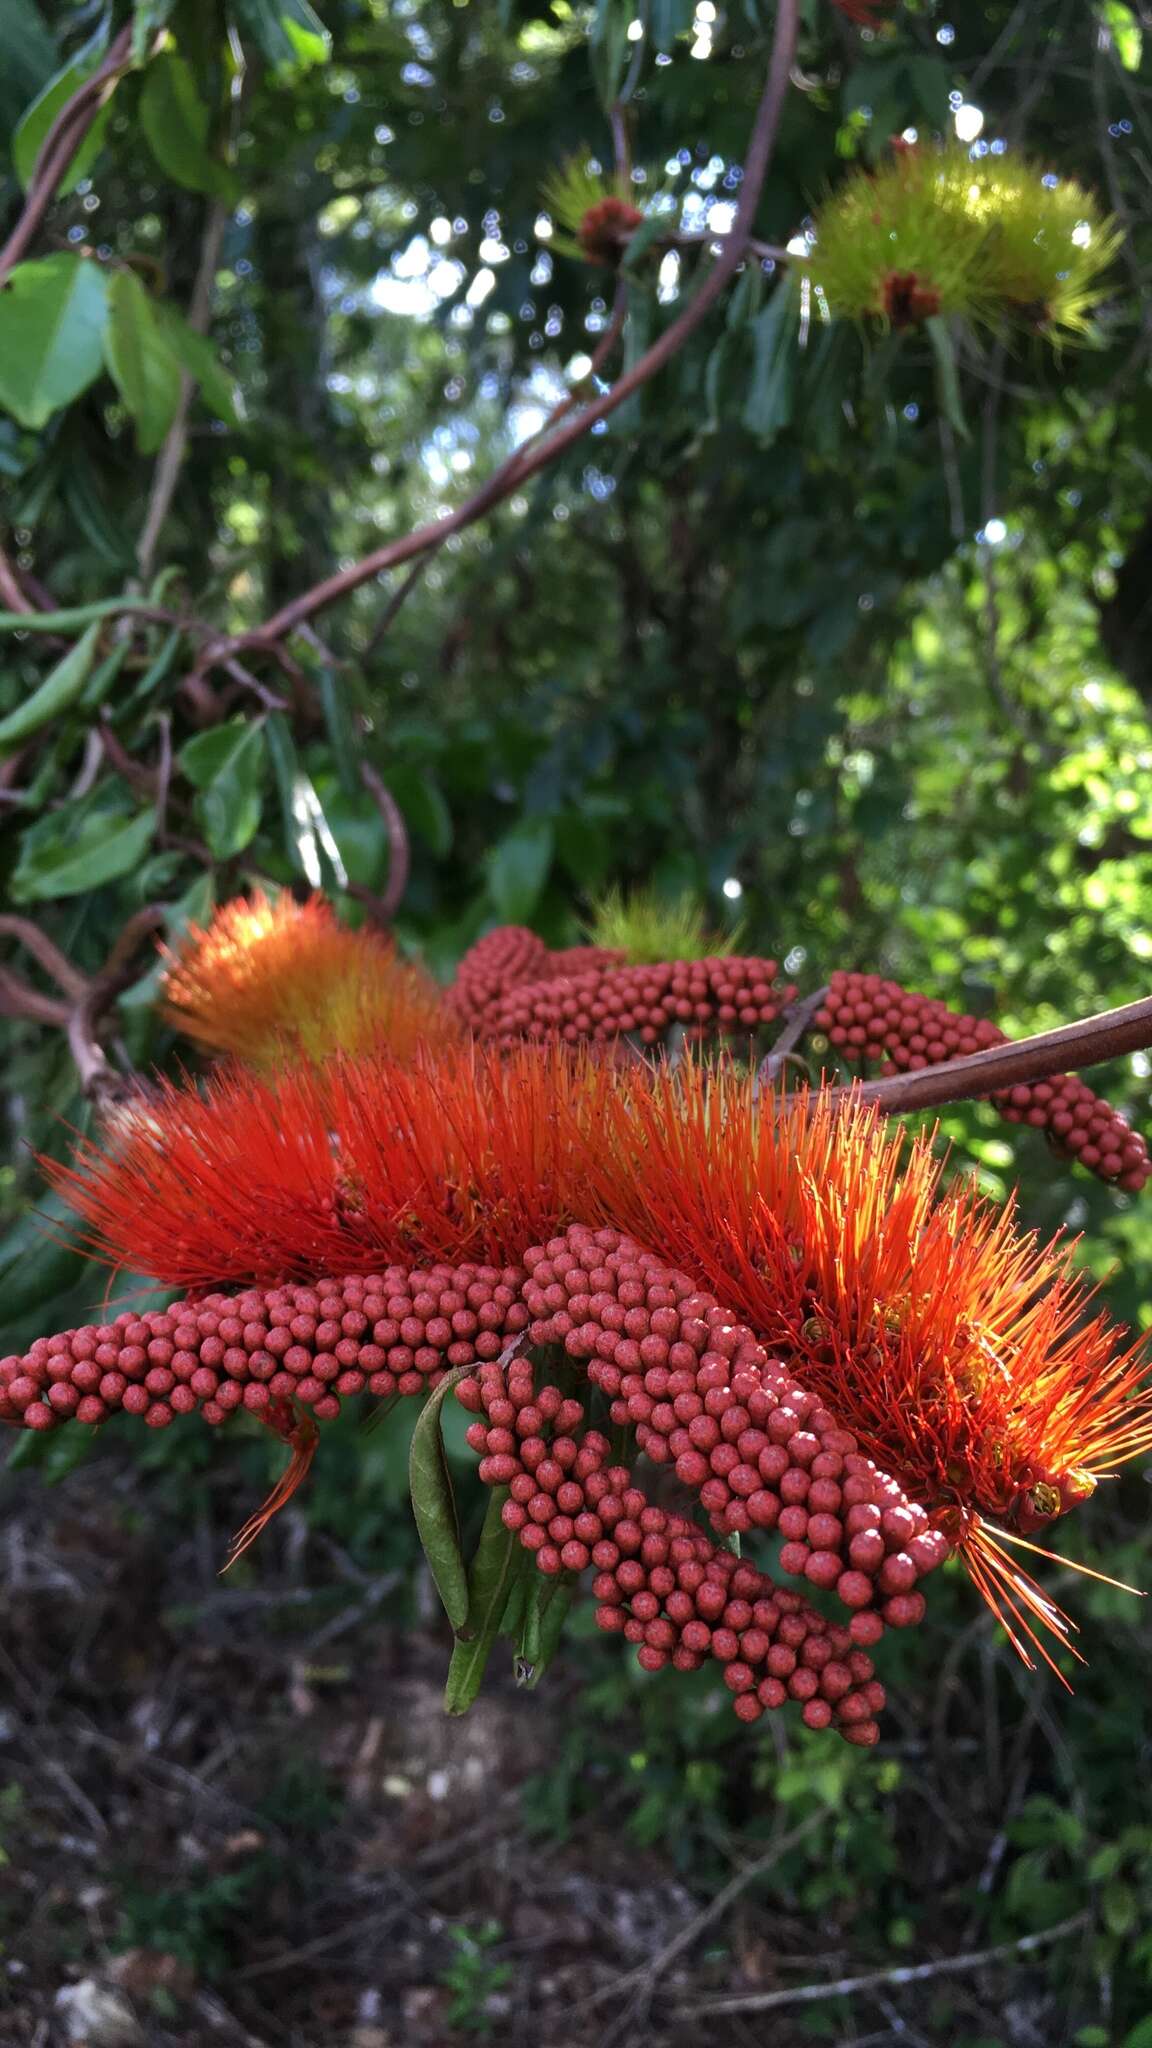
843,632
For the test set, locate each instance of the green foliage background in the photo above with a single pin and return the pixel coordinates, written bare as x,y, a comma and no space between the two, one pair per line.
751,629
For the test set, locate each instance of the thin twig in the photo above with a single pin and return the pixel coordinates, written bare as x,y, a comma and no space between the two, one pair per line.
797,1020
916,1973
59,147
399,854
646,1976
55,963
733,249
171,456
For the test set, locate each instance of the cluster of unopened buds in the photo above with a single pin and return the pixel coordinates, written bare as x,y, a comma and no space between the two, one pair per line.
693,1386
508,989
871,1020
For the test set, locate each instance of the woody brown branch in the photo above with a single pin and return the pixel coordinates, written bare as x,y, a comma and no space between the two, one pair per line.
1069,1048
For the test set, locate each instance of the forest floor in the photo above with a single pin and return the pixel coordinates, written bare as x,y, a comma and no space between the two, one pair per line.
236,1815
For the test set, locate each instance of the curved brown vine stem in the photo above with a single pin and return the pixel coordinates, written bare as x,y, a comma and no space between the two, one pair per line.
523,465
797,1020
100,1081
59,147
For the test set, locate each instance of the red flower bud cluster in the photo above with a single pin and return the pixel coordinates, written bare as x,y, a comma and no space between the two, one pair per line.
381,1333
733,993
507,956
606,227
759,1452
661,1582
871,1019
865,13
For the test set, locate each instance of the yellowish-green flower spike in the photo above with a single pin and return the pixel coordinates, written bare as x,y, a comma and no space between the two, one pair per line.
594,213
995,241
645,928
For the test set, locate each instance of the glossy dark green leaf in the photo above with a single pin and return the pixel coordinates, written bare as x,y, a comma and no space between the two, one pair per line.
30,58
285,772
491,1577
227,766
434,1504
52,315
74,850
36,121
518,868
59,689
177,123
144,365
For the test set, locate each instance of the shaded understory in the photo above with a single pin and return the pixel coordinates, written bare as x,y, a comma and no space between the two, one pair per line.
233,1812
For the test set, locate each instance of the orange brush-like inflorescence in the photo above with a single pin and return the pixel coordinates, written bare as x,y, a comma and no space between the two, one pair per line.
270,982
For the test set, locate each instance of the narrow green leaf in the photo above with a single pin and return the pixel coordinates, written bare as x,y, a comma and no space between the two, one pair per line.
60,688
518,868
546,1611
947,375
38,118
288,32
102,678
492,1574
177,123
141,359
197,356
343,739
285,770
68,620
70,852
434,1503
768,406
52,315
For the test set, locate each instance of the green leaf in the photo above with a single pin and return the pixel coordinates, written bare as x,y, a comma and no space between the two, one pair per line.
38,118
947,375
177,123
144,365
422,803
434,1503
546,1611
60,688
491,1577
30,58
343,740
1139,2036
197,356
285,774
1121,23
147,17
75,850
227,766
68,620
518,868
287,31
52,315
768,406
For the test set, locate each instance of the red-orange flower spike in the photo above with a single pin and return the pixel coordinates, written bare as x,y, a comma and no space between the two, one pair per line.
271,982
955,1349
